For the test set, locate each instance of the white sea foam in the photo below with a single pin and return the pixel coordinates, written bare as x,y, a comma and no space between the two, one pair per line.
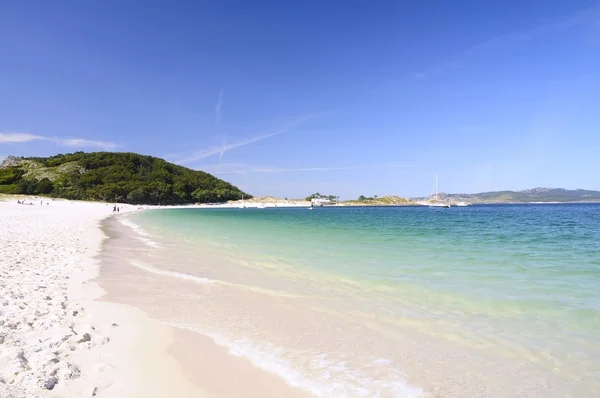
323,376
133,226
143,235
149,242
172,274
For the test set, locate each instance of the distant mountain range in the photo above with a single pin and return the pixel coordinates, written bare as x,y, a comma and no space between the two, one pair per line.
543,195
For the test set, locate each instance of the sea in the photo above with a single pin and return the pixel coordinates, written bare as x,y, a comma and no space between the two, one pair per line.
477,301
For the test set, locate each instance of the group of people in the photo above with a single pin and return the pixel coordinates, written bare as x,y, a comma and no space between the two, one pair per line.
22,202
116,209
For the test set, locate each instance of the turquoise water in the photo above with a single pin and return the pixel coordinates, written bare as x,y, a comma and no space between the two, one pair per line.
507,283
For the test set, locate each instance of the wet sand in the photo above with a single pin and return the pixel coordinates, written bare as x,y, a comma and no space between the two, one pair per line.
207,365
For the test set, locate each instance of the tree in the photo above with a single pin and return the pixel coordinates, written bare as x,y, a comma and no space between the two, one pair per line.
28,186
10,175
313,196
45,186
204,195
319,196
137,196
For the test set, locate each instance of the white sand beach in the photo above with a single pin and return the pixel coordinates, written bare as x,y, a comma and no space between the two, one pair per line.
55,338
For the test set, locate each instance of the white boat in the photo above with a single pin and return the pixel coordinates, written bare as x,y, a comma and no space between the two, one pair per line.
462,204
242,206
434,200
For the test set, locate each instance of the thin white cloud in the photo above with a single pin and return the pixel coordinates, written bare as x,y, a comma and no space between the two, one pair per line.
6,138
19,138
78,142
241,169
221,150
586,15
218,108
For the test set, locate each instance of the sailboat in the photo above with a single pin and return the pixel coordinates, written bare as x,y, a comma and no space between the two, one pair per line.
434,200
242,206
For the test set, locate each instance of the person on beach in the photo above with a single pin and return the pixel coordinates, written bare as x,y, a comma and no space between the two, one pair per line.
114,208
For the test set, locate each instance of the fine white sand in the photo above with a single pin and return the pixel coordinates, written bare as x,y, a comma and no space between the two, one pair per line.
55,338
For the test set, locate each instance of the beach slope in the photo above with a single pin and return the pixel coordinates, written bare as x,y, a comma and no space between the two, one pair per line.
56,339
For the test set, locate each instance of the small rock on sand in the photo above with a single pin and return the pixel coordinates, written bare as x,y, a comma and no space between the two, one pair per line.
67,370
23,360
50,383
85,337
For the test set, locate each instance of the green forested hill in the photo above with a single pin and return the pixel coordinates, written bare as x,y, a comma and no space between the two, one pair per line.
113,177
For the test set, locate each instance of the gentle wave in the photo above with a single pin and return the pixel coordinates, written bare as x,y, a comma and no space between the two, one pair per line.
133,226
326,376
149,242
172,274
144,236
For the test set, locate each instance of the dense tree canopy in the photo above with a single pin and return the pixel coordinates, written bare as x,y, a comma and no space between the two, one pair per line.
114,177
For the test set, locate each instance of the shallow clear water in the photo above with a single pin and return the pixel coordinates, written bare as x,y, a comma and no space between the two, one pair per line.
350,301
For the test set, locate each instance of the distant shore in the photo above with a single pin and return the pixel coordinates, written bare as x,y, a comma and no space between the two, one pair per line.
396,202
273,202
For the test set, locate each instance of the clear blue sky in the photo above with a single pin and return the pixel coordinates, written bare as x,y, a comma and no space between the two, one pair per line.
291,97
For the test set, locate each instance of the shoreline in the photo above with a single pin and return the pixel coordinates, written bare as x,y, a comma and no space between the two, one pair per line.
92,345
209,366
279,328
282,204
